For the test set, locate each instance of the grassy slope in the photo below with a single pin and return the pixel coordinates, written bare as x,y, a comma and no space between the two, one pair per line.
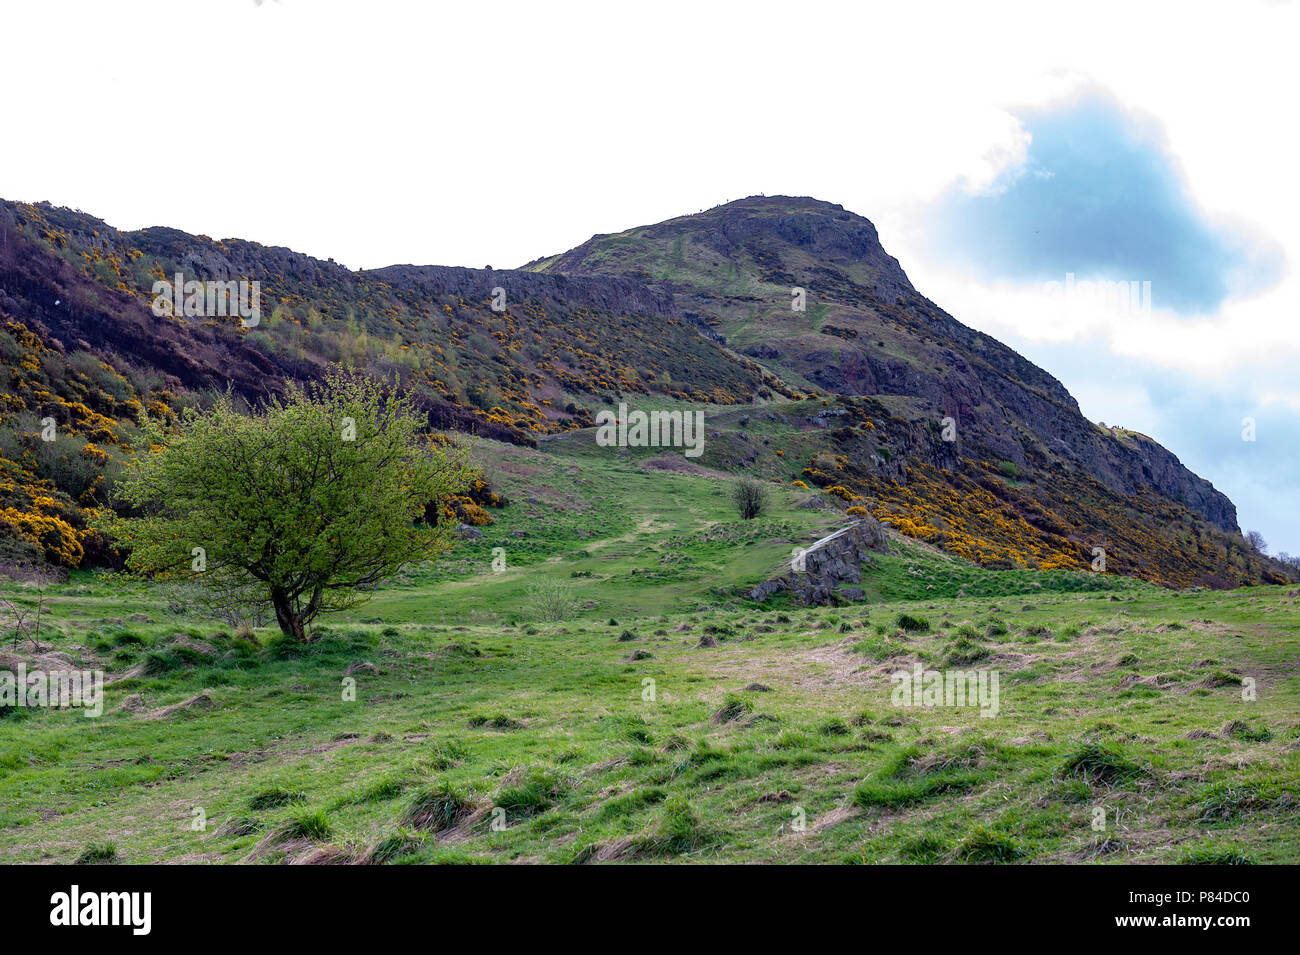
549,720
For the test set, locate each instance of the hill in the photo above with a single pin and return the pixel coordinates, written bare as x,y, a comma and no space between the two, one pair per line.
850,395
1026,480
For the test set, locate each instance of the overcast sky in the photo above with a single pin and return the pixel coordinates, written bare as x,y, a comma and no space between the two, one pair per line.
998,147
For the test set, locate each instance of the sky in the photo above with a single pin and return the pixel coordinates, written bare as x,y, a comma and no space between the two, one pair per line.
1014,158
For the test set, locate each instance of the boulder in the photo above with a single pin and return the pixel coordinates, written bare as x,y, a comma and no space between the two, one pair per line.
829,562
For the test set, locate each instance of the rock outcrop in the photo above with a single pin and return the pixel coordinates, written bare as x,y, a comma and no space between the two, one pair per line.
817,572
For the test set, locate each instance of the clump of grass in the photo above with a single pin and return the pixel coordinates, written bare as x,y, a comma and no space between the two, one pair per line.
963,652
1228,802
381,790
732,708
927,849
394,846
877,648
913,775
243,648
1210,854
98,853
674,742
905,621
239,826
630,803
121,637
15,713
275,797
1246,732
701,755
634,729
988,845
305,824
532,791
679,828
161,662
1220,678
918,761
448,753
893,794
832,726
1101,762
498,721
327,644
995,628
789,739
439,808
571,754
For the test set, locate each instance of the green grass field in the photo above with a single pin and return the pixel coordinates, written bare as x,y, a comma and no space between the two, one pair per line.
667,718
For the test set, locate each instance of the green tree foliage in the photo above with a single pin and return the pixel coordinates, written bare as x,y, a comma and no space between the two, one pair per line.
309,500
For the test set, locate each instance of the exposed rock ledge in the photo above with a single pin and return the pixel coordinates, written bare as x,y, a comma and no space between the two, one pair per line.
835,559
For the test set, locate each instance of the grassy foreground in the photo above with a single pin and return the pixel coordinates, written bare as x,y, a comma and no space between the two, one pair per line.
668,718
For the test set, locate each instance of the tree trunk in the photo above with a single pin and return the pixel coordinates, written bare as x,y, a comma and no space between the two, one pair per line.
292,624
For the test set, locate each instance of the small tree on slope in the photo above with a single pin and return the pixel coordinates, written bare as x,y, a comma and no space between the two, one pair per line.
307,501
750,497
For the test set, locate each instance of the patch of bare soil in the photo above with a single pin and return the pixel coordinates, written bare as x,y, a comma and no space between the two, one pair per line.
345,739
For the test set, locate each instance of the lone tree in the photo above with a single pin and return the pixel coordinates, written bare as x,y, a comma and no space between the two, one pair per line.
303,503
1256,541
750,497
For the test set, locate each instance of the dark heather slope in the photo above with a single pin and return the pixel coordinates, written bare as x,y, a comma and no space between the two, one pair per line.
508,374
